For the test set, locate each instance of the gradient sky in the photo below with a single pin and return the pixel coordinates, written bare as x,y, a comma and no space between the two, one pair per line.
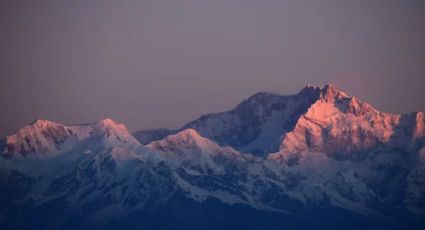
161,63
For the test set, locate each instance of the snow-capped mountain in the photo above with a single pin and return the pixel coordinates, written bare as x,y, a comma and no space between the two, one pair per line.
320,158
344,127
256,125
47,137
268,123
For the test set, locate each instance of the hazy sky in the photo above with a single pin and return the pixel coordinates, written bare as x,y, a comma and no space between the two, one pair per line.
161,63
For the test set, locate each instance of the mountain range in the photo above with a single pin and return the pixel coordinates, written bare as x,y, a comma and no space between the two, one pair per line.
317,159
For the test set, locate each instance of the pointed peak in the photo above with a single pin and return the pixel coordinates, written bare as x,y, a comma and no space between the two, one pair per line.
329,93
109,124
116,134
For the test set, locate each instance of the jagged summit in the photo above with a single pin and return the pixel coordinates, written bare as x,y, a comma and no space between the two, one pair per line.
339,98
330,93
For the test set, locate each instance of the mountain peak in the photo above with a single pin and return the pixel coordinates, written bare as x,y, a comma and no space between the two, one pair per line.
116,133
188,138
108,122
329,93
189,133
47,137
41,136
43,123
39,120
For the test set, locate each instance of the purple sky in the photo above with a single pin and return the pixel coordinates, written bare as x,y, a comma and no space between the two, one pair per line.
161,63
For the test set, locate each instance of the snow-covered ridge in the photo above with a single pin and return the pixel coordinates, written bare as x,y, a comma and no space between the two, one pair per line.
186,138
48,137
189,140
191,153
